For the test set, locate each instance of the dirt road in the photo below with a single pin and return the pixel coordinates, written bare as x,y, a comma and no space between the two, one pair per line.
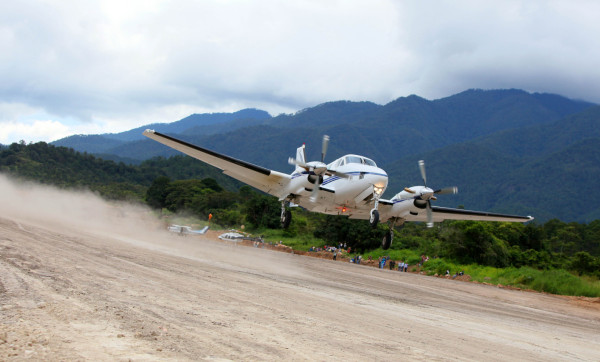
83,280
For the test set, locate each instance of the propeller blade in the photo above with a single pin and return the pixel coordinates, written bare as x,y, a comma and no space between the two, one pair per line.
422,168
429,215
447,190
294,162
325,145
409,190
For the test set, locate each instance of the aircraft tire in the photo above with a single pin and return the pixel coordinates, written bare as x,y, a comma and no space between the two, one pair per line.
387,239
286,219
374,220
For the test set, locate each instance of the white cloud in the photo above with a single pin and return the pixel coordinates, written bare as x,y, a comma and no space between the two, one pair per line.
114,65
35,131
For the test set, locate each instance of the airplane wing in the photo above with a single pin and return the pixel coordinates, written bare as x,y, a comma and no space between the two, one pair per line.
447,213
271,182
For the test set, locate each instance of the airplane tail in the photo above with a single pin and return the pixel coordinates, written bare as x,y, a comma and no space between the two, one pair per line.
202,231
300,156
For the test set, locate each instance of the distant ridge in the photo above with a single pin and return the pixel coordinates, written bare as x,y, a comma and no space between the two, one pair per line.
192,124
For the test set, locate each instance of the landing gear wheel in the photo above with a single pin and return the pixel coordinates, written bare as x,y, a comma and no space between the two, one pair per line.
286,219
374,220
387,239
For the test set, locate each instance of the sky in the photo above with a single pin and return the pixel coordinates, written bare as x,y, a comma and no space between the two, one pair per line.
88,67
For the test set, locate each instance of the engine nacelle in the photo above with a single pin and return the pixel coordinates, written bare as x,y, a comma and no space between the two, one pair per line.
409,193
312,178
421,204
413,193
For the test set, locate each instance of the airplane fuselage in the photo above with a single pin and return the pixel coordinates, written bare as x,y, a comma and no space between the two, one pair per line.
339,195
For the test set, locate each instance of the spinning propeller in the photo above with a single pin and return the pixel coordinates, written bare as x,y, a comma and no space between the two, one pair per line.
425,194
317,169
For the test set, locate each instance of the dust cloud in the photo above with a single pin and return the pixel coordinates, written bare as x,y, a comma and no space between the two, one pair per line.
54,207
83,212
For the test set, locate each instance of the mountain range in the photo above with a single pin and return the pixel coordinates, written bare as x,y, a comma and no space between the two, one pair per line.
506,150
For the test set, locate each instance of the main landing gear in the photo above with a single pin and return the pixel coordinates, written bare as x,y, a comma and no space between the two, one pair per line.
286,216
389,235
387,239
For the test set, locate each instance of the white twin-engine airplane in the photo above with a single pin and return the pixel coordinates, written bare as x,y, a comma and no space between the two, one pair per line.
352,185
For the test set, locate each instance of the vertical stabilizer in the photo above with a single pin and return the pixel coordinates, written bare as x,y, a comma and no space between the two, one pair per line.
301,155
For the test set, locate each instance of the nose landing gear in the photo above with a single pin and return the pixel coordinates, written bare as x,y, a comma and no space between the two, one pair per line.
374,219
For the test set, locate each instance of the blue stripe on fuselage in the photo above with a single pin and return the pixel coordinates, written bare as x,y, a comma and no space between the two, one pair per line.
335,178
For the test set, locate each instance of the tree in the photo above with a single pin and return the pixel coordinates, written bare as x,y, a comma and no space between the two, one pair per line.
212,184
208,201
584,263
156,194
357,234
181,194
263,211
472,242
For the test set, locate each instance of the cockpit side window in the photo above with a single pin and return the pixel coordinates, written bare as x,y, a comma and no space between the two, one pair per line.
370,162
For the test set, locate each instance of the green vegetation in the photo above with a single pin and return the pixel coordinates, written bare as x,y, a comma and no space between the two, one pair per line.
555,281
556,257
64,167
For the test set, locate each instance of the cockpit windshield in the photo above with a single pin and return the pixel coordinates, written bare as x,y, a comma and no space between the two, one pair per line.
353,159
358,159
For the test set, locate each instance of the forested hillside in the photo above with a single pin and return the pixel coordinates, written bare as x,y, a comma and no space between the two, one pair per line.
544,187
527,171
65,167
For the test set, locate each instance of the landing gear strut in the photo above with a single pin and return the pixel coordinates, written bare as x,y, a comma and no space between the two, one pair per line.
286,216
389,235
374,219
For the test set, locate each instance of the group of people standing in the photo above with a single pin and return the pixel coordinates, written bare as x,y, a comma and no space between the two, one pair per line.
402,266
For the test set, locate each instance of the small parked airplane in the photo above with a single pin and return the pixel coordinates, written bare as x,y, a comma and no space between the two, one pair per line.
185,230
352,185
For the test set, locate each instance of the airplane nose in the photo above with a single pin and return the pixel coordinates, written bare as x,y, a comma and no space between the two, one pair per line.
381,181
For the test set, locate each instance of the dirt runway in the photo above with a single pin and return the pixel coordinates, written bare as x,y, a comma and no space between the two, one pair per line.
84,280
